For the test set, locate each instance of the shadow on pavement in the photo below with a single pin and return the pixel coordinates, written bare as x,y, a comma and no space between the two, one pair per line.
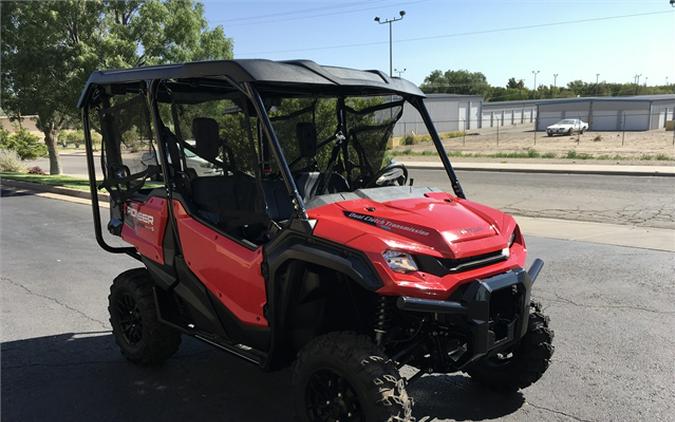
81,376
5,193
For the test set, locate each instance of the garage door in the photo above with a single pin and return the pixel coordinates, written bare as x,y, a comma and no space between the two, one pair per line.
605,120
636,120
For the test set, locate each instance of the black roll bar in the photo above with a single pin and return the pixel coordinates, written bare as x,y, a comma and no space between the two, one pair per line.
296,199
418,103
95,207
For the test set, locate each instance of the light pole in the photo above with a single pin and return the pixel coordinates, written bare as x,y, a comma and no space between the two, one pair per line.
555,80
535,73
400,72
390,21
597,76
666,81
646,77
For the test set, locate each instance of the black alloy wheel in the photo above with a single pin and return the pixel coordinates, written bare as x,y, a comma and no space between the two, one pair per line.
129,318
330,397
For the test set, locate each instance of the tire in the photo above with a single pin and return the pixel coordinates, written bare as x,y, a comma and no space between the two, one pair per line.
583,130
530,359
142,339
570,132
549,134
358,382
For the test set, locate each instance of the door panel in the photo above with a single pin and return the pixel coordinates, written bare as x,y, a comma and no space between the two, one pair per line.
231,271
144,226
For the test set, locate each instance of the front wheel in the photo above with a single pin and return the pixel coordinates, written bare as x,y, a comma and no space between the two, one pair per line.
346,377
523,365
142,339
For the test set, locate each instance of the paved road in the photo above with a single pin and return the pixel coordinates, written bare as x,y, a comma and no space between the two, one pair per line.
632,200
640,201
611,307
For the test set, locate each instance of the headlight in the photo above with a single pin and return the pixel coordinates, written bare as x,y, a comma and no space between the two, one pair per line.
400,262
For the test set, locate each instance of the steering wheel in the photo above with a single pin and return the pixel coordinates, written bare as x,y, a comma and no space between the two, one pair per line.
394,174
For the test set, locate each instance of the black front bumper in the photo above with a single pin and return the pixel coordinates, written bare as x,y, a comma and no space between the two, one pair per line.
493,312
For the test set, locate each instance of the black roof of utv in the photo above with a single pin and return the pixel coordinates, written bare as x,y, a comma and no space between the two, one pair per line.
303,73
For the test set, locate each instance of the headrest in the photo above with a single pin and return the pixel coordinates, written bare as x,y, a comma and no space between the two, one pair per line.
207,139
306,134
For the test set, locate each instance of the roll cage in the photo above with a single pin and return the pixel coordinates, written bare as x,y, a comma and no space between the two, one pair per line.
255,81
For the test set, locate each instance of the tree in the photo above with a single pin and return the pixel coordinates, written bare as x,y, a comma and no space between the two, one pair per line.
515,84
49,48
456,82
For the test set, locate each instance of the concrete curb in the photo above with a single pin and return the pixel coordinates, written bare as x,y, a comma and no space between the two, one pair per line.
39,187
662,171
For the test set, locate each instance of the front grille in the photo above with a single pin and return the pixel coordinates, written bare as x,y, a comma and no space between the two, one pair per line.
443,266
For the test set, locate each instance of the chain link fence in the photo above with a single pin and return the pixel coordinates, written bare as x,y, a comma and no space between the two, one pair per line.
523,134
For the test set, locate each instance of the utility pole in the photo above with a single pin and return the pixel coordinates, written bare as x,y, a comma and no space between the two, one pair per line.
555,80
535,73
390,21
400,72
637,82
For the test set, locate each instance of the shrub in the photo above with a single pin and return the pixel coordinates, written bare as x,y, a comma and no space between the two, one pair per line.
408,140
453,134
597,138
72,137
548,155
572,154
25,144
36,170
663,157
10,161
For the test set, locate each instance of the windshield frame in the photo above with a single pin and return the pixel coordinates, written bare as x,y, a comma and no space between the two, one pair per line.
256,92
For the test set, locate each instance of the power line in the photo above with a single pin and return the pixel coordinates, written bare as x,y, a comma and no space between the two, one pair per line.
259,22
293,12
463,34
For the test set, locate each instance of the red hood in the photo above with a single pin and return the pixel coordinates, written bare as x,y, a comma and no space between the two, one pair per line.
435,224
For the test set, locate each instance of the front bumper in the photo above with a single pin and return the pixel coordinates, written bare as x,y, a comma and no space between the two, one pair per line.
493,312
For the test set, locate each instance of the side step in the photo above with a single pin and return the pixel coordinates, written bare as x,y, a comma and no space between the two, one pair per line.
240,350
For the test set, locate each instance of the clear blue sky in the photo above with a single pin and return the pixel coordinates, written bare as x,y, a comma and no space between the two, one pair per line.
615,48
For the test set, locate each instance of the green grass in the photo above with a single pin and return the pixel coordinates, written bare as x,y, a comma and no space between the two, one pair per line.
55,180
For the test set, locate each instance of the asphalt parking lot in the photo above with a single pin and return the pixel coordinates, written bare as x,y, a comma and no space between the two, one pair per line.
612,308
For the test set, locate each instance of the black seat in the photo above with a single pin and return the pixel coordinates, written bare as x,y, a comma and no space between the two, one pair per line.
228,201
278,201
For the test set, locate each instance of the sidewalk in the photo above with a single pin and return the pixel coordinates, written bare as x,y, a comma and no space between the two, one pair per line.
605,169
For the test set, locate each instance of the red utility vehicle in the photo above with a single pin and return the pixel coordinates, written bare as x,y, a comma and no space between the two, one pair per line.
270,224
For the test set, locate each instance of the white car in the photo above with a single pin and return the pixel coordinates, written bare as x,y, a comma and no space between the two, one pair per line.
193,161
567,127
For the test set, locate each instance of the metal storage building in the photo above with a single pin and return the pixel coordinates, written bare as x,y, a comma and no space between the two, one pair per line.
508,113
449,112
636,113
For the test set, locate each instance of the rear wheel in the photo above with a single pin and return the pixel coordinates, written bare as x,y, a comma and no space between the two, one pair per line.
523,365
142,339
345,377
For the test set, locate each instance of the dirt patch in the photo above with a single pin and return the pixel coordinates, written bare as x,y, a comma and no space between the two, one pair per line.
654,145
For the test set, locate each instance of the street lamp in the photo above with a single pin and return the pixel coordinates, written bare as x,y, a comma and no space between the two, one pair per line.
597,75
555,80
400,72
390,21
535,73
